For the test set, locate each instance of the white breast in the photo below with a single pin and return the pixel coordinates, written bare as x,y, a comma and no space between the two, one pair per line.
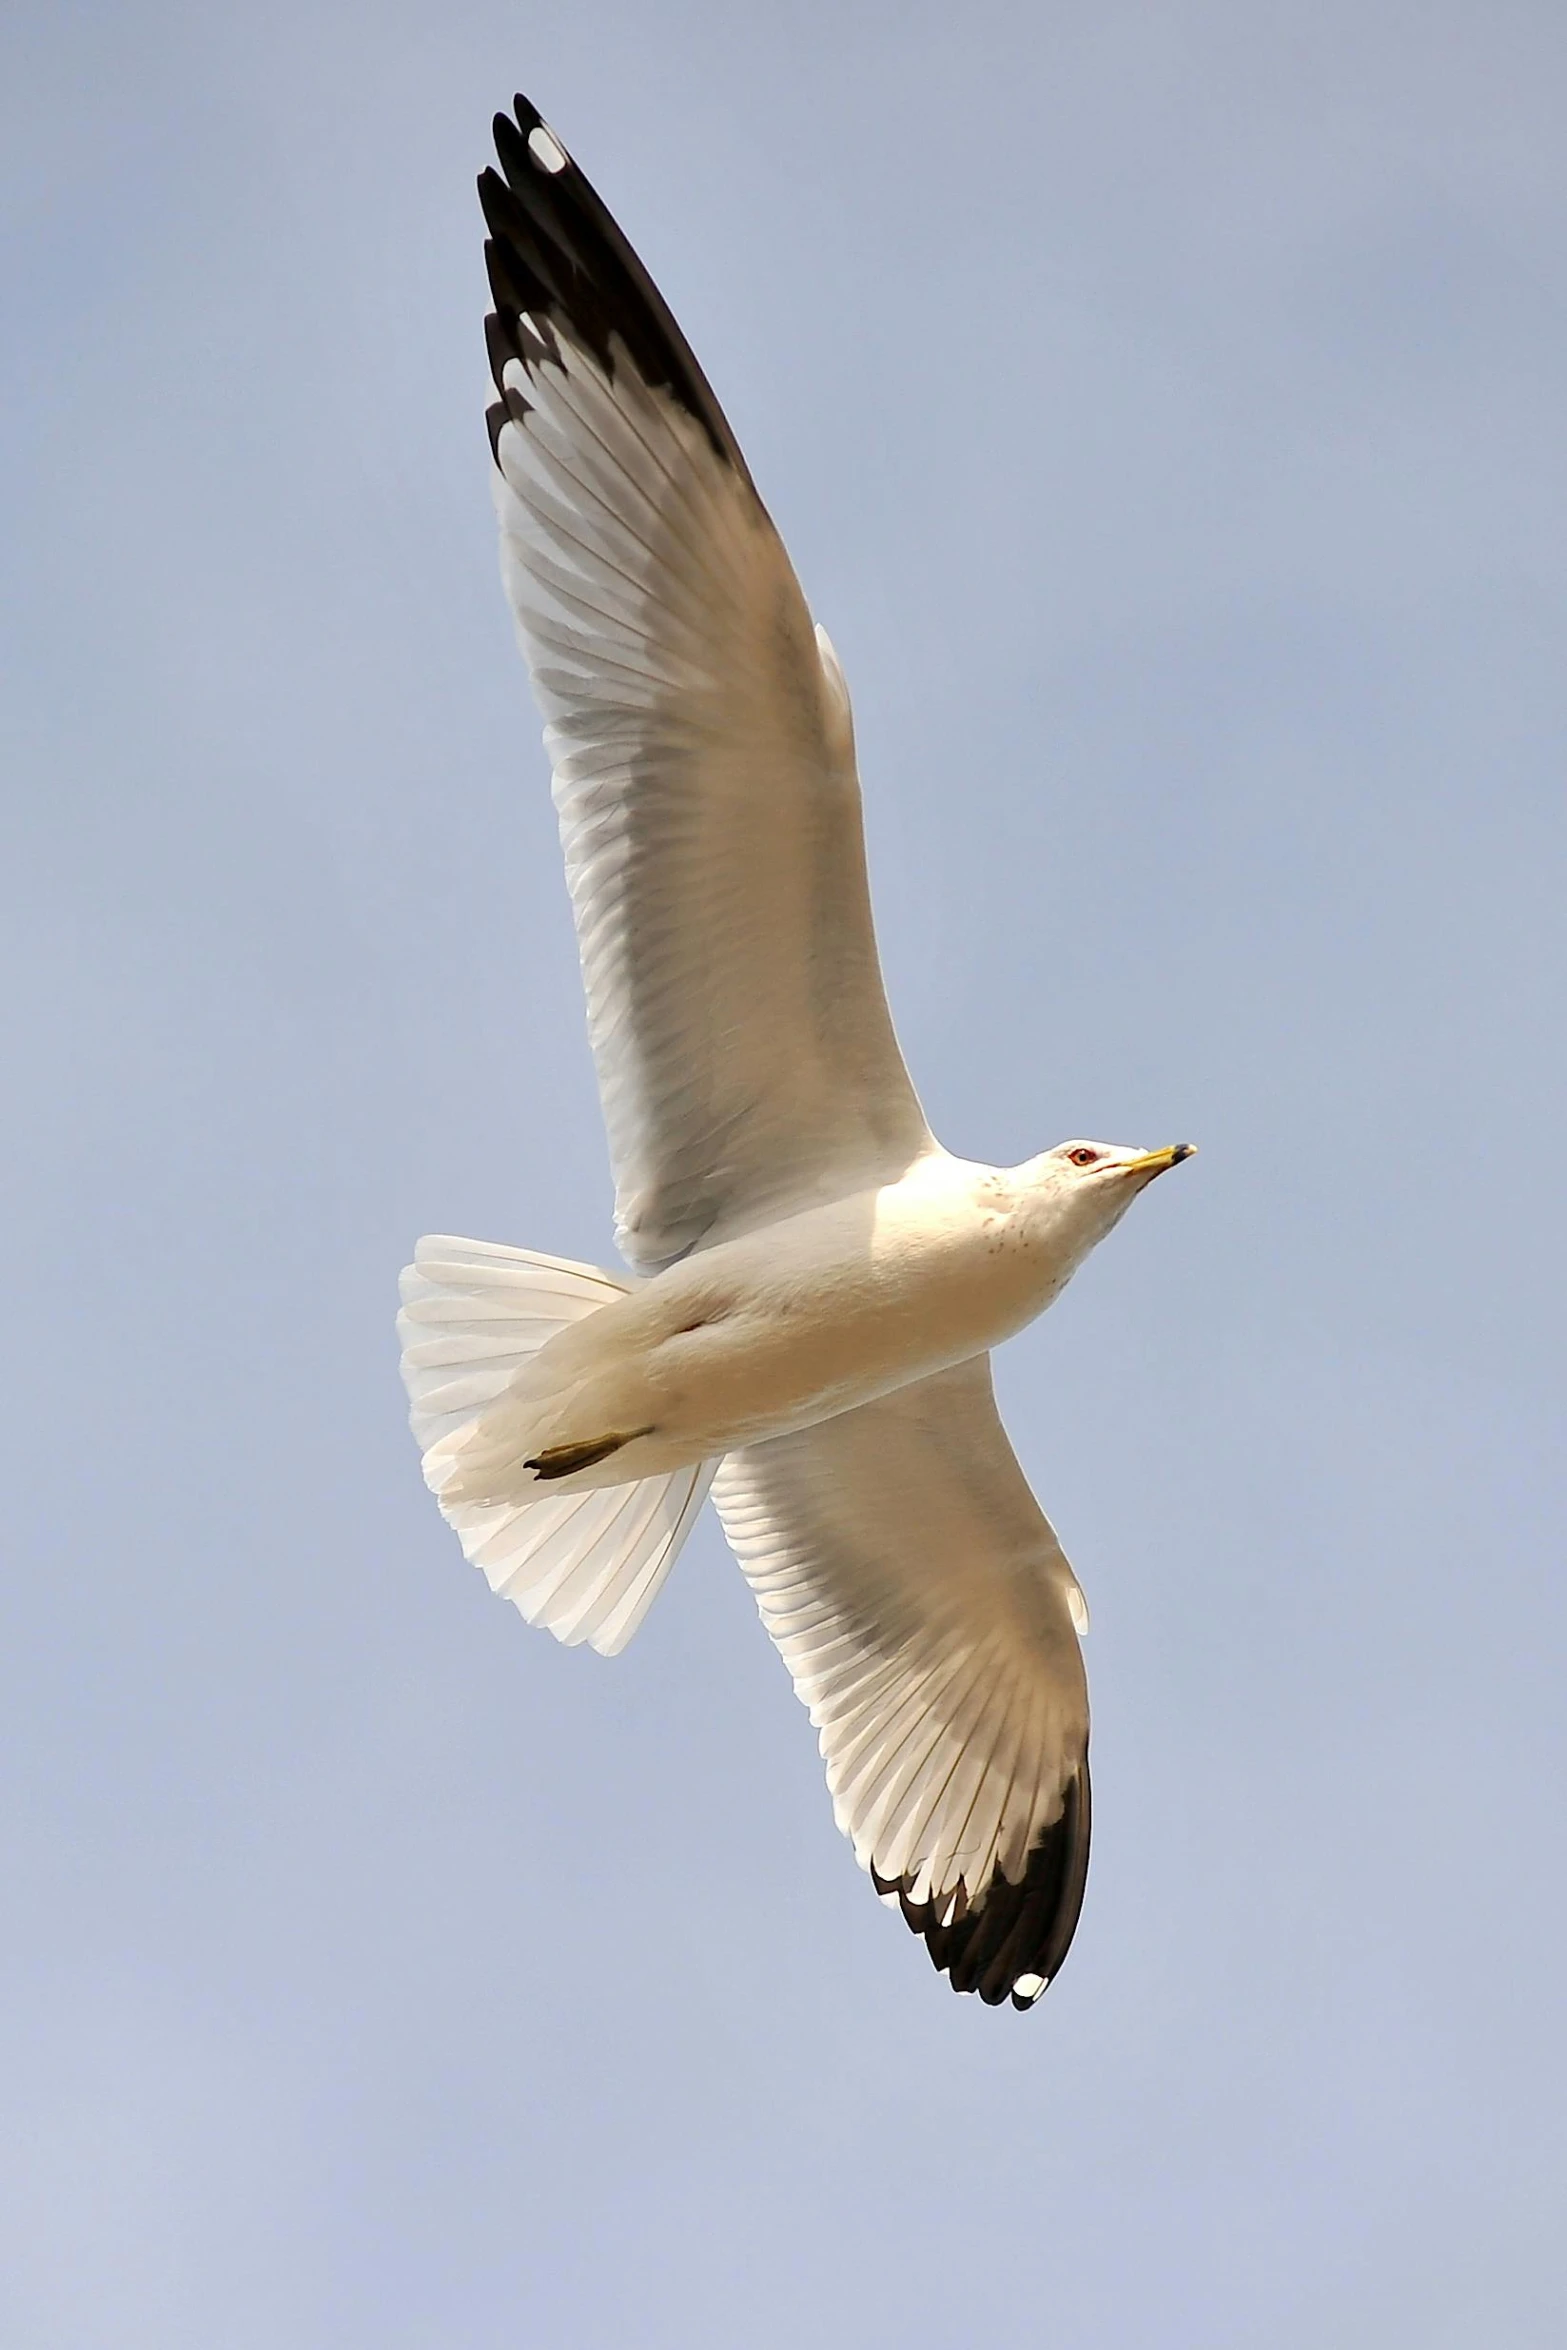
832,1308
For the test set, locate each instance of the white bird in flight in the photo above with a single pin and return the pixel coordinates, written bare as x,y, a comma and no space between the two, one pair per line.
818,1282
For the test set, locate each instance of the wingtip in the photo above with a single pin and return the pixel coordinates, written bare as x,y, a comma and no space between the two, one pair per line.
561,256
1011,1945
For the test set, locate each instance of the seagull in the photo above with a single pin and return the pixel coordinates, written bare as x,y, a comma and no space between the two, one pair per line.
815,1283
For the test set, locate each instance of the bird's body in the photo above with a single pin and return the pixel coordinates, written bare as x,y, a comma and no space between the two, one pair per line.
818,1283
792,1323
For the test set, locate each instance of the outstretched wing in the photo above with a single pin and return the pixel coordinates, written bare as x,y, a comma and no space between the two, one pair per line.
928,1615
701,741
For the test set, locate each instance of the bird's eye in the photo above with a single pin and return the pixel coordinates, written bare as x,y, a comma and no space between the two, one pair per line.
1083,1158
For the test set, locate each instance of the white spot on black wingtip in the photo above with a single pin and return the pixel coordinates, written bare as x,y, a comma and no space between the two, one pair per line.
546,149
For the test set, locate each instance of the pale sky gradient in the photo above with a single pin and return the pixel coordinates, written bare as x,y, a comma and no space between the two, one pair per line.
1164,406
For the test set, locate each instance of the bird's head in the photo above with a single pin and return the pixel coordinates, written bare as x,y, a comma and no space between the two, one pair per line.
1081,1190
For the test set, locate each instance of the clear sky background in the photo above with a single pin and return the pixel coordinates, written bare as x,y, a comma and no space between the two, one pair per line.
1164,407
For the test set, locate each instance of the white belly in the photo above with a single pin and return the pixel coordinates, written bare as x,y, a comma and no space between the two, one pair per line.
791,1324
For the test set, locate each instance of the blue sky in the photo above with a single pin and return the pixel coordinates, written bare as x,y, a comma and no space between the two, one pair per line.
1163,408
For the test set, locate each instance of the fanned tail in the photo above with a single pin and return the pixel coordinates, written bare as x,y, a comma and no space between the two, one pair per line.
587,1566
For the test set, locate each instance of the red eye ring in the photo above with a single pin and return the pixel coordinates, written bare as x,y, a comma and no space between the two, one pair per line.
1083,1158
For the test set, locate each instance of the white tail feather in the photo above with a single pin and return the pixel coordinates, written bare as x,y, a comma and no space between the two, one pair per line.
587,1566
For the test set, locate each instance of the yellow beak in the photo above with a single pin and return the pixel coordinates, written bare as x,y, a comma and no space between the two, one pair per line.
1155,1162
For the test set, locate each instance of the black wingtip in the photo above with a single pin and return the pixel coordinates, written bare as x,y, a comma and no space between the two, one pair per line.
556,253
1017,1933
